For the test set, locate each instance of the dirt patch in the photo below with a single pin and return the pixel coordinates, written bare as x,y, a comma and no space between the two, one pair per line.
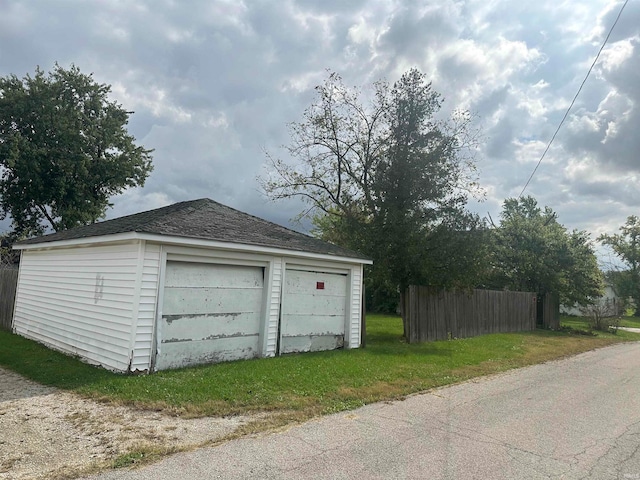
48,433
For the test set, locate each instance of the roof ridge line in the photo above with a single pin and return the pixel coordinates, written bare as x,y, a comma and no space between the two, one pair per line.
204,219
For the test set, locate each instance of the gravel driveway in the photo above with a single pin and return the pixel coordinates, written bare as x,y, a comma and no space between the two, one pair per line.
48,433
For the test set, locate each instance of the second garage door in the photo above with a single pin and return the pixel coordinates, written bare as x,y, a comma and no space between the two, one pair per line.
313,311
210,313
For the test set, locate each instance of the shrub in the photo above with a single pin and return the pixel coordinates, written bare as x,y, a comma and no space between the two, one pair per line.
602,315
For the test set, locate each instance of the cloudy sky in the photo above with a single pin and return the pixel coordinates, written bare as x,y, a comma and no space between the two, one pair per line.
214,83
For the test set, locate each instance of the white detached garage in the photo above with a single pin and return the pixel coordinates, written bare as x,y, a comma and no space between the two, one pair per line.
195,282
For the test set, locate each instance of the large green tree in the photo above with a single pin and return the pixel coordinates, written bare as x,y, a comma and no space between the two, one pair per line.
533,252
626,245
64,150
382,175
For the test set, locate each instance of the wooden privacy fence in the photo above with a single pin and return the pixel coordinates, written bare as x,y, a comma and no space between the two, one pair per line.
8,285
430,313
549,311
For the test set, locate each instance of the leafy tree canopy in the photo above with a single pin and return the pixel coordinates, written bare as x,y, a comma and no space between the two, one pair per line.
626,245
384,176
64,150
533,252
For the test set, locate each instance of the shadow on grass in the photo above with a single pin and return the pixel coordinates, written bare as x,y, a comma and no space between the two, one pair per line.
14,386
47,366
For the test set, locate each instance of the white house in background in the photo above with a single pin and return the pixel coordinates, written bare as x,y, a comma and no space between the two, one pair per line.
608,296
195,282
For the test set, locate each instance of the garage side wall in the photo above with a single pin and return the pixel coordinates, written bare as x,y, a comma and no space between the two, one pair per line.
80,301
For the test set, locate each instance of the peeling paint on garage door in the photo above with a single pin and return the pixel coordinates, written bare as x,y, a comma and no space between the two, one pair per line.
211,313
313,311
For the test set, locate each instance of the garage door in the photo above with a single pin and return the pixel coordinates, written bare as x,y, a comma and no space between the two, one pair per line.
211,313
313,311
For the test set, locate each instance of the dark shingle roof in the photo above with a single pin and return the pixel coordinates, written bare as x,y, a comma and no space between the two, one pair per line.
203,219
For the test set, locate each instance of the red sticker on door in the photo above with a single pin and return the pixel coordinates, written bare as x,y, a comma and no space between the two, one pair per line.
319,285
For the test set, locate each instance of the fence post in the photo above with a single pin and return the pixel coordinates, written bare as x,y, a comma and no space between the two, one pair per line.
551,311
8,286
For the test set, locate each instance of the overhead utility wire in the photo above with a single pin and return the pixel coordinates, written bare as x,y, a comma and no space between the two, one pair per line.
574,99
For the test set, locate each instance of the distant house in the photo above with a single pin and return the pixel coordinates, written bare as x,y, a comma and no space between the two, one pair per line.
195,282
608,298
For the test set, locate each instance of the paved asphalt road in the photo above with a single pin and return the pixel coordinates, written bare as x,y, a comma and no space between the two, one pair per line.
577,418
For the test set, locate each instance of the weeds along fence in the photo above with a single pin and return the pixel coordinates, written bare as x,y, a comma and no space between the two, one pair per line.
8,285
431,314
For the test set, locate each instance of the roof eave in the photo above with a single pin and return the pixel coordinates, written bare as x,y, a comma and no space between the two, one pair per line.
47,245
190,242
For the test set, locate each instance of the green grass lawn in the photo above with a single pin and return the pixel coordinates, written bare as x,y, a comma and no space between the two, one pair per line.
583,323
633,322
304,384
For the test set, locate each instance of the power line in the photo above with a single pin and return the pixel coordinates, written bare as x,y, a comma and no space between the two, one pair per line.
574,98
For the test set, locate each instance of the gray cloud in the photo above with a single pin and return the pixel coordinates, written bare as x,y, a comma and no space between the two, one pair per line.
214,83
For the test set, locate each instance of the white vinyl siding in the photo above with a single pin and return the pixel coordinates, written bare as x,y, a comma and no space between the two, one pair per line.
143,335
353,335
273,308
107,303
80,301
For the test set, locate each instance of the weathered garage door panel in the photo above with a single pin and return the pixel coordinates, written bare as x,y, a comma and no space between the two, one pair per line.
192,301
189,274
302,282
211,313
317,304
295,325
313,311
208,351
311,343
184,327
